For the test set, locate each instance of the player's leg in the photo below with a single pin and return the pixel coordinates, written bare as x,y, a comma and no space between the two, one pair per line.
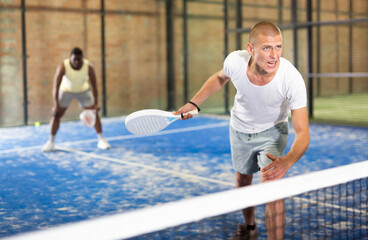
102,142
243,180
98,125
275,219
65,99
245,164
275,144
248,229
55,120
86,100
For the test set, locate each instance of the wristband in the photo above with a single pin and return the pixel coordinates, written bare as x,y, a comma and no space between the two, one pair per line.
194,105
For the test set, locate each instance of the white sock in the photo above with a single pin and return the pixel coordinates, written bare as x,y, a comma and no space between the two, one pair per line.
52,138
100,136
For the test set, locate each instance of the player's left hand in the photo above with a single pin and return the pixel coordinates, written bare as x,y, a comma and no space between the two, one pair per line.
275,170
96,108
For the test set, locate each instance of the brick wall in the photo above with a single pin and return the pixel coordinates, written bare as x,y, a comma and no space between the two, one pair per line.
11,81
135,56
135,49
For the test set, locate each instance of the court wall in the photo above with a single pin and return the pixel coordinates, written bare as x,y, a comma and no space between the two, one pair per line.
127,42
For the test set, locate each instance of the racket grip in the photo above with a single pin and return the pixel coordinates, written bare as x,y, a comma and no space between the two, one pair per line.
193,113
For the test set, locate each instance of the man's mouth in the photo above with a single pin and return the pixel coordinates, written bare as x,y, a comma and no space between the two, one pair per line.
271,63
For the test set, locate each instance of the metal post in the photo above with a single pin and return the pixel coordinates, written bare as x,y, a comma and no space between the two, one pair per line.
294,21
185,50
318,48
351,46
310,58
24,58
281,7
170,55
239,23
226,96
103,59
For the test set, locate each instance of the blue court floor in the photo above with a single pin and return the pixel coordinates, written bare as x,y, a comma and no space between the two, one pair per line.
189,158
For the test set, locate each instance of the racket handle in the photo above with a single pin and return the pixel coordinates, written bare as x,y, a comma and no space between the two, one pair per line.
193,113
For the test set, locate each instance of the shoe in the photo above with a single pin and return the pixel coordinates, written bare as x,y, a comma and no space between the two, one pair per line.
48,147
246,233
103,144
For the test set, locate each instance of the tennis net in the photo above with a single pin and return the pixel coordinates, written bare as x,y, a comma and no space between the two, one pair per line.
329,204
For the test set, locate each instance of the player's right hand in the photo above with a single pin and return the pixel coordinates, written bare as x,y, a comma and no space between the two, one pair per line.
184,109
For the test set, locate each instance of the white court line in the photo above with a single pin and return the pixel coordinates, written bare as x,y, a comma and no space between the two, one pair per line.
175,173
123,137
328,205
171,172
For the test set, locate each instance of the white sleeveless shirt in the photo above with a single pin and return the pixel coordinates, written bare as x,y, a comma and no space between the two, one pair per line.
258,108
75,80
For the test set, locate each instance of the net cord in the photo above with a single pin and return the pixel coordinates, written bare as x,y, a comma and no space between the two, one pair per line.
138,222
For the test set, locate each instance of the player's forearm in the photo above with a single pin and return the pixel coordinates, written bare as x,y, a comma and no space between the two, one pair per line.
212,85
95,95
60,71
93,81
302,138
298,148
55,91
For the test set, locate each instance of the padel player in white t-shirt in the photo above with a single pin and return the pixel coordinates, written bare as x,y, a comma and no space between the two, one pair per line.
268,86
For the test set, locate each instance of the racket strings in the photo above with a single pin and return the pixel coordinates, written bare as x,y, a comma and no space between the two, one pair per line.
148,125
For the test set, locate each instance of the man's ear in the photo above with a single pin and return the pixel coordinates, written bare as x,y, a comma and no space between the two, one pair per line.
250,49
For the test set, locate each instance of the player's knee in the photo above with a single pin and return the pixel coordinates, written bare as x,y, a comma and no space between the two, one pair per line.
243,180
57,114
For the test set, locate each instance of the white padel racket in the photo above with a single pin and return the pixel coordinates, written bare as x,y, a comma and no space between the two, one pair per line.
150,121
88,117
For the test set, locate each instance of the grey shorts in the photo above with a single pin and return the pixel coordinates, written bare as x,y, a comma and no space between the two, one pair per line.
85,98
248,151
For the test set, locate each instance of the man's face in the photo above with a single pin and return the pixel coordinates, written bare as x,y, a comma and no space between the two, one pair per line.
76,61
266,52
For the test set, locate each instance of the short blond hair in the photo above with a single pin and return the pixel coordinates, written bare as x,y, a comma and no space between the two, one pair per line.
264,27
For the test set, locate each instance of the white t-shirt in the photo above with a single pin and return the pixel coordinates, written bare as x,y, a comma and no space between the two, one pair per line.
258,108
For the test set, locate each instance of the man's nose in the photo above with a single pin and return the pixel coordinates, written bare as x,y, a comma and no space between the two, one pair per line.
273,53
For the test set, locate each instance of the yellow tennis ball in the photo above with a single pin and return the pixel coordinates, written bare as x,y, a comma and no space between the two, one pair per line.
37,124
